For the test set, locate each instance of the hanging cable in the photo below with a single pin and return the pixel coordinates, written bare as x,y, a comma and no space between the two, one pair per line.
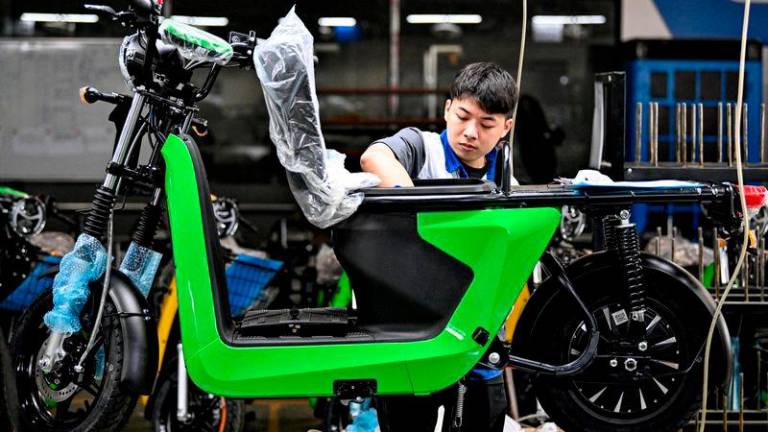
519,80
745,242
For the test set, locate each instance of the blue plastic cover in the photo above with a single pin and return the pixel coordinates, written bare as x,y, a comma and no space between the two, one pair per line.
365,417
84,264
140,265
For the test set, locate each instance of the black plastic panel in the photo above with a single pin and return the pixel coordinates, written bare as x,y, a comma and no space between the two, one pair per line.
401,282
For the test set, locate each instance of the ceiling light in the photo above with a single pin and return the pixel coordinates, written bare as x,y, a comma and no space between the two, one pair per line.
336,22
444,19
568,19
53,17
202,21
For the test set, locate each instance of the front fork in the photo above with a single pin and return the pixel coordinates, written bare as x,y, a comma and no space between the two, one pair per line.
182,403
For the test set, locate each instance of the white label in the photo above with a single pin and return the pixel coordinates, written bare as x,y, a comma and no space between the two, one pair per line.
619,317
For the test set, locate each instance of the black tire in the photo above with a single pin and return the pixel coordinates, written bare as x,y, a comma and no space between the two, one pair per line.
607,398
206,410
9,406
99,404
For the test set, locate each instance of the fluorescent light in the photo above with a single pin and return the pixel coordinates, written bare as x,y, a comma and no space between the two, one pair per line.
336,22
51,17
568,19
447,19
202,21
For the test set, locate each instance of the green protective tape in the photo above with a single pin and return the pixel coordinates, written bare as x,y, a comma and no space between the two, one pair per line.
4,190
195,36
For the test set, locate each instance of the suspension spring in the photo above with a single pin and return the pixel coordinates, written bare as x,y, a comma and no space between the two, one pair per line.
147,225
628,248
98,217
458,418
609,231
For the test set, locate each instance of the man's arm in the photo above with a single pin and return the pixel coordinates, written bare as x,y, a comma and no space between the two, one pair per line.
380,160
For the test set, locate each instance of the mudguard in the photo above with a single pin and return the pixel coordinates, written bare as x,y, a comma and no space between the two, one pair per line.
701,307
139,335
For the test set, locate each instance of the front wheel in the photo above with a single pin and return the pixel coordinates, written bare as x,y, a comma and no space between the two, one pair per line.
206,412
650,381
64,400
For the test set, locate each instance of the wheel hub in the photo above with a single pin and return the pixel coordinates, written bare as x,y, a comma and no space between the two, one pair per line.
54,386
630,376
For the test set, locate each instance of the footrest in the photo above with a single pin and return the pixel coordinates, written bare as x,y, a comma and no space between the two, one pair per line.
296,322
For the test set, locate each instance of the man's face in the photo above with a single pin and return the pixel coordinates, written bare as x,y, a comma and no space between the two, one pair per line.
472,131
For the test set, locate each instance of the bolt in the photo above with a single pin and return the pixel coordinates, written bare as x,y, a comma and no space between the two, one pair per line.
494,358
613,362
630,364
624,214
642,346
79,368
45,364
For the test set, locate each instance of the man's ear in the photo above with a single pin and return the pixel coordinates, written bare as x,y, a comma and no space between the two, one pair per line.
507,126
447,107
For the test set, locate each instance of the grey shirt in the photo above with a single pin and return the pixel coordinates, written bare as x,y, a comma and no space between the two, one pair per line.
408,146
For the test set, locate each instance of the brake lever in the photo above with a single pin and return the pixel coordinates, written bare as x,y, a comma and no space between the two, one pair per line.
101,8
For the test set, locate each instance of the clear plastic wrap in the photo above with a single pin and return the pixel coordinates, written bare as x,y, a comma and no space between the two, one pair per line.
84,264
323,188
195,45
140,265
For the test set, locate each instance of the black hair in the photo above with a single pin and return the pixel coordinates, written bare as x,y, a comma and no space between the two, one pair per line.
489,84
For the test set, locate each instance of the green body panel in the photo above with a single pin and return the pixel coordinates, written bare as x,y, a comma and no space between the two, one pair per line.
500,245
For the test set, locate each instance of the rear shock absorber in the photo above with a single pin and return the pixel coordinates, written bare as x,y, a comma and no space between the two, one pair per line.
609,231
628,250
98,217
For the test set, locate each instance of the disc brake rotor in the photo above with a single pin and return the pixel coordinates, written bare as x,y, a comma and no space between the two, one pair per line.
50,391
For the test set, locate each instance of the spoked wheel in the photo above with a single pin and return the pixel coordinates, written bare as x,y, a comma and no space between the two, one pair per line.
206,412
629,377
644,377
63,399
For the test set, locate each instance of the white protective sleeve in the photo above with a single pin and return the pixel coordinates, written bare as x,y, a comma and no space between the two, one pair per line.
323,188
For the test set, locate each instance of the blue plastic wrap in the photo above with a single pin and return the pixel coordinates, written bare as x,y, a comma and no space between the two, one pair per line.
31,288
364,417
84,264
140,265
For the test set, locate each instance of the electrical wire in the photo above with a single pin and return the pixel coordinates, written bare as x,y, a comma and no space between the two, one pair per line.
745,220
519,80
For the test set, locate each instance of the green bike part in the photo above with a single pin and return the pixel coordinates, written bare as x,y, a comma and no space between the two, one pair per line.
188,38
4,190
501,246
343,295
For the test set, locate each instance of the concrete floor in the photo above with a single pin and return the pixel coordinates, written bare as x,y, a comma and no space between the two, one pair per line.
284,415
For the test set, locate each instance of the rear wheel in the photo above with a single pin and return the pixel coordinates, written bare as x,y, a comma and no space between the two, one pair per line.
636,383
64,400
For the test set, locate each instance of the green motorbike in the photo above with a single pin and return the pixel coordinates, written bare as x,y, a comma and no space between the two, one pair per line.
615,340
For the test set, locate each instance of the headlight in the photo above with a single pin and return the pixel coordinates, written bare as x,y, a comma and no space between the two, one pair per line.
131,58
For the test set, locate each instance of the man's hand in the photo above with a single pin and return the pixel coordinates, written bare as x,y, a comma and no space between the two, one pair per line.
379,159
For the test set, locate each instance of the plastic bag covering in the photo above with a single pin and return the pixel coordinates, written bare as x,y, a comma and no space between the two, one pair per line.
195,45
321,185
364,417
78,268
140,265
